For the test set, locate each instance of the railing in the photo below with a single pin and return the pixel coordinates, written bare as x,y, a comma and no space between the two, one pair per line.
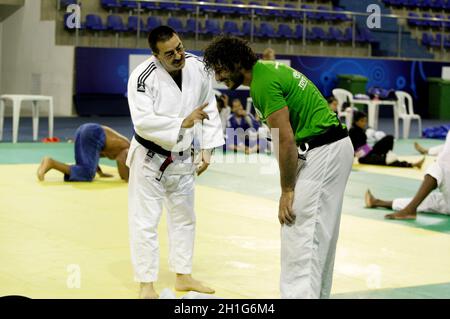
253,8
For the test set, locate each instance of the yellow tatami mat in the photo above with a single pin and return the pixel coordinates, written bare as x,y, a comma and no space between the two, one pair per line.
56,235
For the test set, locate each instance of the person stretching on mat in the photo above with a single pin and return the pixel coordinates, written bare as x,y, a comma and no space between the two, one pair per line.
437,176
92,141
381,153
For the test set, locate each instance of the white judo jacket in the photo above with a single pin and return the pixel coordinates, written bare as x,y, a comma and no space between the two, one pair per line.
158,107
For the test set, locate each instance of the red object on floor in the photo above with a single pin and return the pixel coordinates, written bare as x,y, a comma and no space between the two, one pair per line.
51,140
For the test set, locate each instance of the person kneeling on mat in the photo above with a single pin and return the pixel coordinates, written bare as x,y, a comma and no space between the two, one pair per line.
92,141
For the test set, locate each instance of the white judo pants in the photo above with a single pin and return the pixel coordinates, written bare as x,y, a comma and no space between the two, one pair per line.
308,247
436,202
146,196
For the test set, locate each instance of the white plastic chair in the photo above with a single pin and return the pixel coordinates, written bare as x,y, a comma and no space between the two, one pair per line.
344,96
405,112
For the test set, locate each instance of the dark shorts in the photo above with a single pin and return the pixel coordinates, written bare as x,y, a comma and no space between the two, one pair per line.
89,142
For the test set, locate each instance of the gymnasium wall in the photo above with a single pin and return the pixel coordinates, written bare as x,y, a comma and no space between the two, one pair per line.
32,63
102,73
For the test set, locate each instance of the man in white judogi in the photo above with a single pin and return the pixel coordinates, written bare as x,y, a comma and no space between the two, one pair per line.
436,176
168,95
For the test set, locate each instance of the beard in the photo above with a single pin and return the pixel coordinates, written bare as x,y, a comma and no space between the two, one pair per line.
237,78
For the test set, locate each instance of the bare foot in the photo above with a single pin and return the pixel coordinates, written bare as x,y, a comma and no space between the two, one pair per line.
419,163
401,215
369,199
420,149
147,291
45,166
187,283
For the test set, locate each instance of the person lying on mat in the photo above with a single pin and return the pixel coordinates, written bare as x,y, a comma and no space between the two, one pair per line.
381,152
92,141
425,200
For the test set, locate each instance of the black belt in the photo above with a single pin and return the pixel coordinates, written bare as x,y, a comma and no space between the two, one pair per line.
333,134
154,147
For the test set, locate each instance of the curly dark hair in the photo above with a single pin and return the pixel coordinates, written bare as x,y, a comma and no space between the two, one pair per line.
229,53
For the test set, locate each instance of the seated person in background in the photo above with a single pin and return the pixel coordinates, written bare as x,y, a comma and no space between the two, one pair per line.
244,129
269,54
224,110
425,200
333,103
381,153
433,151
92,141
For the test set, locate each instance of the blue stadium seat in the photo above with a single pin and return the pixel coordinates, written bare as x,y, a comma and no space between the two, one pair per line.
152,23
168,6
432,24
175,24
413,21
447,42
324,15
212,27
429,41
292,14
224,10
411,4
309,15
447,5
439,39
266,30
130,5
336,35
258,12
231,28
424,4
441,23
318,33
241,11
190,27
132,24
299,32
115,23
187,7
273,12
341,16
94,23
285,31
366,36
358,36
447,23
150,6
438,4
246,29
110,4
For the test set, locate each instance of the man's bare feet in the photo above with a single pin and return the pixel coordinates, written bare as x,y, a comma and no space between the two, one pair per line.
420,149
401,215
147,291
369,199
44,167
187,283
419,163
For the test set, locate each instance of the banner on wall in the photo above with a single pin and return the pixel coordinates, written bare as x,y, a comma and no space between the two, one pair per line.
106,71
